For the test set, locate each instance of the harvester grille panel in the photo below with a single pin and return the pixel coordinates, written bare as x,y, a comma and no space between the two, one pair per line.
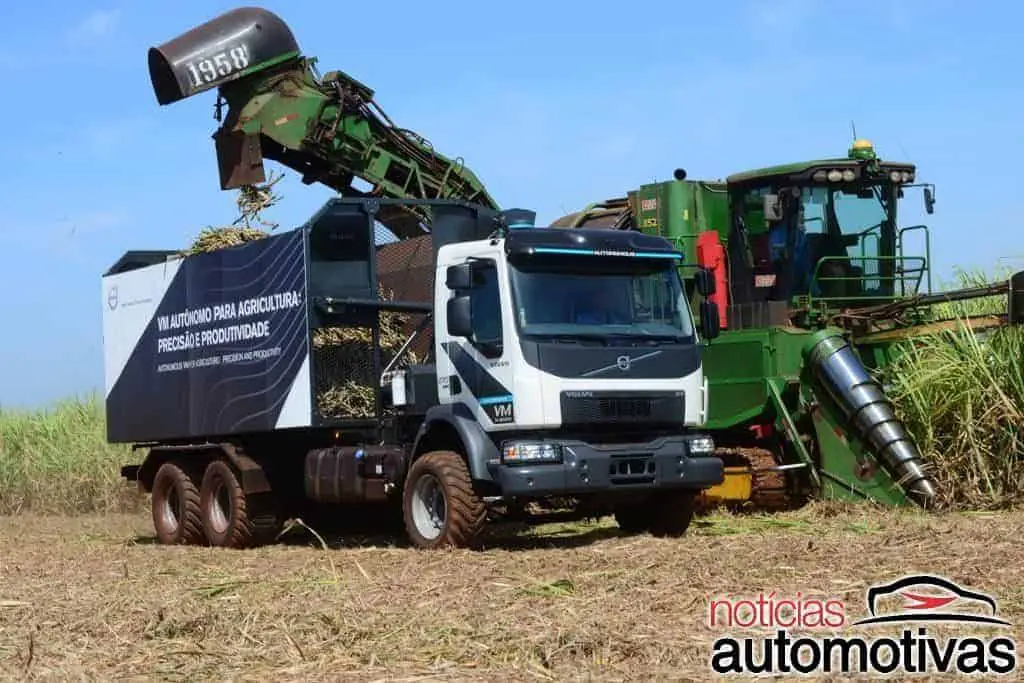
757,314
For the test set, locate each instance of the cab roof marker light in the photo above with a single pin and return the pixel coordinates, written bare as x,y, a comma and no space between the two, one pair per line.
594,252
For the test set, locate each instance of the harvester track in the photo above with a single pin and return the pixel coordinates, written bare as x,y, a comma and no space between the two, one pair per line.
769,489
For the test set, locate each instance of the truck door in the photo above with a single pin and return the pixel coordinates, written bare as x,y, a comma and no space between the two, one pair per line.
478,370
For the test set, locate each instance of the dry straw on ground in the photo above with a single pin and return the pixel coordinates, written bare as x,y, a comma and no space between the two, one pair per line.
94,598
345,351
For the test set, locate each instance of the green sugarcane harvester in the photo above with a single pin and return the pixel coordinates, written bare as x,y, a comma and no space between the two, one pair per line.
812,282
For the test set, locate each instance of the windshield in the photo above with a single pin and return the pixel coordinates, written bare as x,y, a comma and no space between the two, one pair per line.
595,298
830,242
847,212
852,224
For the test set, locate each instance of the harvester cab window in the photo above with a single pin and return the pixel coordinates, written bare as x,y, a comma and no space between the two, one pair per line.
820,240
861,218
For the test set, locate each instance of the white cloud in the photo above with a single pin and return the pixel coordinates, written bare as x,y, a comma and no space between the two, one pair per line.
95,26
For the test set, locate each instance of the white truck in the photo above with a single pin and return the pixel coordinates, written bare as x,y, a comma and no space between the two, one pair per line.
218,364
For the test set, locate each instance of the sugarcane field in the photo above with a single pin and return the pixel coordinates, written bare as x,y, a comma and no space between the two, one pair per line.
546,363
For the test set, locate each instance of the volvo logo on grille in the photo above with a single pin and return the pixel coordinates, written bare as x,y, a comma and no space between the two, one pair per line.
623,363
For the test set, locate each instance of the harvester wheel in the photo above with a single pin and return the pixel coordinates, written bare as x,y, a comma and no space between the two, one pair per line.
231,519
441,508
175,502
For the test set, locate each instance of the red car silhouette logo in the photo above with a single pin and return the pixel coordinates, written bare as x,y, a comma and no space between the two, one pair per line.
925,597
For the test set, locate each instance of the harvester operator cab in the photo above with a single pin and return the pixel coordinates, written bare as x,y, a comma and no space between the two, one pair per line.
802,247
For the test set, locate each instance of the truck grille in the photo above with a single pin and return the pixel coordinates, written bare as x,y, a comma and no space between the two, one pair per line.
616,408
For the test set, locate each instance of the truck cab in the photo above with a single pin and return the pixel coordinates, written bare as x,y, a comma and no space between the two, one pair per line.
569,364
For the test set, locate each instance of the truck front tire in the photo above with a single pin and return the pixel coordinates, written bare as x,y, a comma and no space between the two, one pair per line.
175,505
231,519
673,514
440,507
664,514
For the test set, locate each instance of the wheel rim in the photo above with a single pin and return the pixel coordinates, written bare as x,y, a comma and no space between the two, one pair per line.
429,508
220,503
170,511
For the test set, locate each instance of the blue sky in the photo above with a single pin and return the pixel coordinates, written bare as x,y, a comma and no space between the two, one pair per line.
553,105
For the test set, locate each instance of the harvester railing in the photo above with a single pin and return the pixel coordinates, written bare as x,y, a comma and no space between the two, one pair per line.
927,249
899,279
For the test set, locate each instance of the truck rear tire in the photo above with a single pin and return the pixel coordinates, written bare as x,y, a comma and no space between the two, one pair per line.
231,519
439,505
175,505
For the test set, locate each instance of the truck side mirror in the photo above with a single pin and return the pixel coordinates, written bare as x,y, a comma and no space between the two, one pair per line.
929,200
460,316
709,323
704,281
459,276
772,207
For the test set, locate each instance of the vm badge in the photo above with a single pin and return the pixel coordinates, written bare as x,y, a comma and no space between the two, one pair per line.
623,363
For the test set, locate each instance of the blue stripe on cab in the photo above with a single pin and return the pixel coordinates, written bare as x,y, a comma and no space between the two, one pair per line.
491,400
592,252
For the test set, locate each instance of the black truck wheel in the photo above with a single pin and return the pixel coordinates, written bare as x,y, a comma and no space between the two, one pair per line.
673,513
633,519
664,514
231,519
439,504
175,505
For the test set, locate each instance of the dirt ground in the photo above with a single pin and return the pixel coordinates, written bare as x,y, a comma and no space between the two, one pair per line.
95,598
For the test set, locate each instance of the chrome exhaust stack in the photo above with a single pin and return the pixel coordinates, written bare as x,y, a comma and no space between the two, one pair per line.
870,414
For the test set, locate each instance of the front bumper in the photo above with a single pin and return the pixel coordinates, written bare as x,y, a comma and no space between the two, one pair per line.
593,468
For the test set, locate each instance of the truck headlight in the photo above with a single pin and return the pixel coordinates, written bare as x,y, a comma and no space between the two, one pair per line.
702,445
517,452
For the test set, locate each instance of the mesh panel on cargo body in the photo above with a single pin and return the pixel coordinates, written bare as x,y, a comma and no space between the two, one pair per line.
344,381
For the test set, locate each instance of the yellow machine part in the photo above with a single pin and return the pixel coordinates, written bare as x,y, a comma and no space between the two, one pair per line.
750,479
738,486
